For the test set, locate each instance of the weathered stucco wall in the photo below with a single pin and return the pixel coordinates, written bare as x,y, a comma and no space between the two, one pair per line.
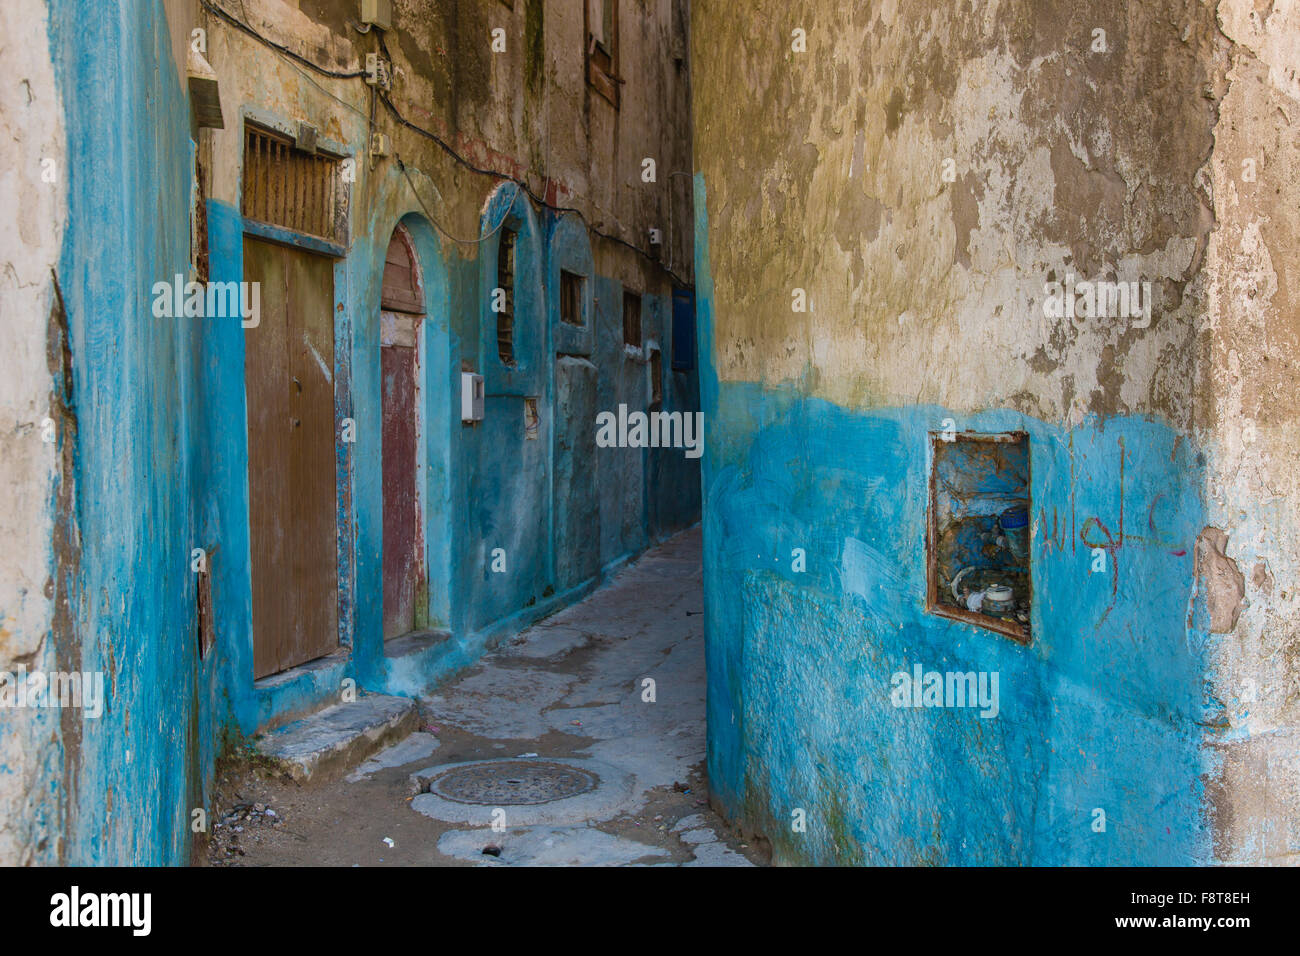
922,172
33,176
1250,341
1059,167
526,111
120,579
150,451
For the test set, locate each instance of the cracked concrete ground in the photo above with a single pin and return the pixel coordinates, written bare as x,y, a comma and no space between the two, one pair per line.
574,690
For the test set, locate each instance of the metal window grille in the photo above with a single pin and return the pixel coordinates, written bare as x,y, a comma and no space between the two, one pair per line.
289,187
506,283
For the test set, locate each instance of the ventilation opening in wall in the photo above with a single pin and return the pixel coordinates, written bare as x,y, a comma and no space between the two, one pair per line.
632,319
205,626
199,228
290,187
531,418
656,379
977,540
570,298
503,297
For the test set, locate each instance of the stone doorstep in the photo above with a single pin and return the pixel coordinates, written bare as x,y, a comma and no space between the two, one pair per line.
332,741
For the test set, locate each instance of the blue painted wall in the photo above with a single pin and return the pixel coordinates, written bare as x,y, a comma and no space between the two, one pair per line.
508,495
132,776
1103,710
161,448
575,486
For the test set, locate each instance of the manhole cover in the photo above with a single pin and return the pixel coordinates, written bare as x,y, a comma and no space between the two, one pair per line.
503,783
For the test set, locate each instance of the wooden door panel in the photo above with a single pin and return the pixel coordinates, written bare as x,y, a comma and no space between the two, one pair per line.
288,368
265,358
402,539
312,484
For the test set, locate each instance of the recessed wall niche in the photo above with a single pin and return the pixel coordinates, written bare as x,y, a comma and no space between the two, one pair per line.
978,531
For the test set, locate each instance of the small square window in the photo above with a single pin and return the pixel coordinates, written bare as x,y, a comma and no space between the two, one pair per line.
978,533
632,319
571,298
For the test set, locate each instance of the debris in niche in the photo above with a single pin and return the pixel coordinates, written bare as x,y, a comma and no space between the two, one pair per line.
979,540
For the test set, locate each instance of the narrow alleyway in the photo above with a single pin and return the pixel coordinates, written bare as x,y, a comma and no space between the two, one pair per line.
595,716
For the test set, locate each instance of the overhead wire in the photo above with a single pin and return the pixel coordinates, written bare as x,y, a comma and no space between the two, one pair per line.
293,59
246,28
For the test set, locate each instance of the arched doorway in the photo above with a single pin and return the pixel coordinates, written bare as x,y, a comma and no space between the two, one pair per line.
400,325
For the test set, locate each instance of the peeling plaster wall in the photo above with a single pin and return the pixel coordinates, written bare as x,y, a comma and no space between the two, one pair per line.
125,594
921,173
31,119
1249,420
848,142
150,458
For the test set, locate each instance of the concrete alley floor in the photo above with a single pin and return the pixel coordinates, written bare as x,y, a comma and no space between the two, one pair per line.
568,703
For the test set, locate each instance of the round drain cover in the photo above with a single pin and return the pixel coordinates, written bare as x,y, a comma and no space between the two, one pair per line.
504,783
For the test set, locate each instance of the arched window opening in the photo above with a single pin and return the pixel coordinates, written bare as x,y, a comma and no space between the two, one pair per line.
402,290
504,297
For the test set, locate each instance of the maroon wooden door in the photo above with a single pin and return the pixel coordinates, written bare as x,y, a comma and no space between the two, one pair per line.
402,302
402,538
292,502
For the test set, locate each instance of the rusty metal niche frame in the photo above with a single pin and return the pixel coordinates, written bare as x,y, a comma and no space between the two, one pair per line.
1012,629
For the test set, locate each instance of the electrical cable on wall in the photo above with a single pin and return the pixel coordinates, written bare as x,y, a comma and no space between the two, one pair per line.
429,215
245,28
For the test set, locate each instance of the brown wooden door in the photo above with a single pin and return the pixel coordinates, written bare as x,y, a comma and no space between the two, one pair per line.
403,540
289,384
